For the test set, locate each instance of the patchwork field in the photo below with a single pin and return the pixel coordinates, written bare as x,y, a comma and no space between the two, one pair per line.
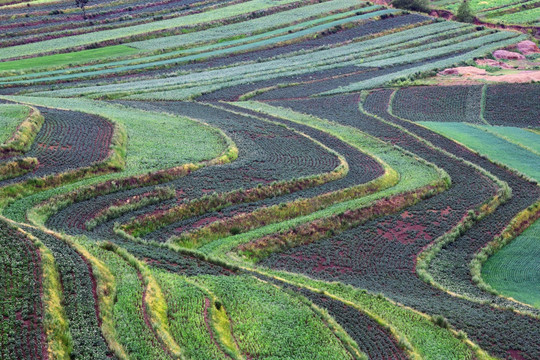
498,11
255,179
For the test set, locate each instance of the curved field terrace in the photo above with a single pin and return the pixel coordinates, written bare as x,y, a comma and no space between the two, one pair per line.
219,179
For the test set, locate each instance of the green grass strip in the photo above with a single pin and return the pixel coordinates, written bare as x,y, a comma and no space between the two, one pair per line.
416,331
68,59
10,118
490,145
515,269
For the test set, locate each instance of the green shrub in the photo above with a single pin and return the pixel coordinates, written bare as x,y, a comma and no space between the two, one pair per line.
465,13
415,5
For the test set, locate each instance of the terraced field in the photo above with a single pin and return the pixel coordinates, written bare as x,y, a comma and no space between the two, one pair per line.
498,11
244,180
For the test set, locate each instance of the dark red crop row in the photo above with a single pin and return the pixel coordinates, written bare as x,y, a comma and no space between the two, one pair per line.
439,103
21,309
68,140
79,298
513,105
41,23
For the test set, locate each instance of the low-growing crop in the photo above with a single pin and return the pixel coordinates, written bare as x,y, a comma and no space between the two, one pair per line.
224,179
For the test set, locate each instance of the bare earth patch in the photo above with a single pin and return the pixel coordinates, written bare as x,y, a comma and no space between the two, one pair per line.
472,74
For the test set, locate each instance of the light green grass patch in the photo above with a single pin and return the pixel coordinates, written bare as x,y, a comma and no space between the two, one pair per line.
492,146
71,58
185,303
133,333
269,323
527,139
515,270
10,117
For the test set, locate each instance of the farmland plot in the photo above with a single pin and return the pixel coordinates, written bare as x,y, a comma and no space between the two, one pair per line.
237,180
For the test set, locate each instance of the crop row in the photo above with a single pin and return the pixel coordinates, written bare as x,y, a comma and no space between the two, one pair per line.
412,175
362,169
113,34
322,228
348,54
440,103
278,213
21,309
148,223
267,152
502,105
373,338
67,141
123,206
257,46
79,298
356,256
39,25
512,105
22,124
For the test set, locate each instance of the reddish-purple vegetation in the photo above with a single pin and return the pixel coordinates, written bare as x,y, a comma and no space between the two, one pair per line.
21,310
513,105
281,164
67,141
439,103
378,264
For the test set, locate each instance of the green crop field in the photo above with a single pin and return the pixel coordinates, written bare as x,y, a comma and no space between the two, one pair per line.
218,179
514,269
483,141
497,11
10,118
